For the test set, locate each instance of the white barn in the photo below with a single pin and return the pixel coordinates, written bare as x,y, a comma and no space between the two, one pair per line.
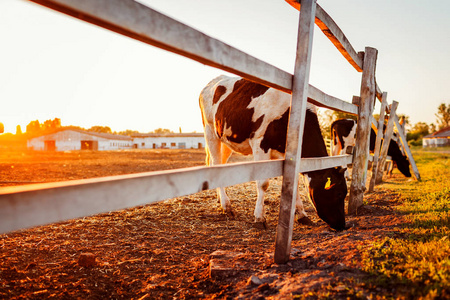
440,138
77,139
169,141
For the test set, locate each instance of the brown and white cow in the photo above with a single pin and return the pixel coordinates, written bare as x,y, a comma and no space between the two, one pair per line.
343,140
250,118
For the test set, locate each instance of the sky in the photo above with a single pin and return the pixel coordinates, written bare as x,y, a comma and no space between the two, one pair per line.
55,66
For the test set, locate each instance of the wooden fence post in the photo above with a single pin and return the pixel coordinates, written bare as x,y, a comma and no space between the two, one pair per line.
380,133
361,151
387,140
295,132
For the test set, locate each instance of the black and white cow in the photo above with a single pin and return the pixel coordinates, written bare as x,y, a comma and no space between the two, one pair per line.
249,118
343,139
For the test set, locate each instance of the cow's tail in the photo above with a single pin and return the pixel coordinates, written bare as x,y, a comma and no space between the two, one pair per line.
208,155
334,140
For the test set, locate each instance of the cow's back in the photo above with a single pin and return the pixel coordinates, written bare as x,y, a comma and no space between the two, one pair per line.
239,111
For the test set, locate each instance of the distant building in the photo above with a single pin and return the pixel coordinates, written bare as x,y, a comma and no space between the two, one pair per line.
76,139
438,139
169,141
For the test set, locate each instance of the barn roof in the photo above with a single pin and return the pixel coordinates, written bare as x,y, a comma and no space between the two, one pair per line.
443,133
108,136
144,135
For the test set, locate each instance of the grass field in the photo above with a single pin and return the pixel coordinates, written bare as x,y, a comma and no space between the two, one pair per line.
416,262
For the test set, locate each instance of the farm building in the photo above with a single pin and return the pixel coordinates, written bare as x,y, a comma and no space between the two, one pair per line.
438,139
169,141
76,139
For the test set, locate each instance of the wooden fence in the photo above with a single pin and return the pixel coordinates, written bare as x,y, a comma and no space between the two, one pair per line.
38,204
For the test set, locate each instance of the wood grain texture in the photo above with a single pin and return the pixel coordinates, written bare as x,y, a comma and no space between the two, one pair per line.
291,164
335,35
380,133
387,140
361,150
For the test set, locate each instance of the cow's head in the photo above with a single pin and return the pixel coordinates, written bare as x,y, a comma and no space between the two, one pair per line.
400,159
327,190
403,165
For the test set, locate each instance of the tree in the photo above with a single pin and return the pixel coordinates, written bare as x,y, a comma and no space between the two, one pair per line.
51,124
18,130
404,121
327,117
34,127
128,132
432,128
100,129
443,116
417,132
162,131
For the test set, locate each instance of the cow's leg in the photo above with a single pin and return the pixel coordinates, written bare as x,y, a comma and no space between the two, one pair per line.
302,217
261,186
225,202
217,153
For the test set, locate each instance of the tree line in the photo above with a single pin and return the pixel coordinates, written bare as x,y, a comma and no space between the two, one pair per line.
414,135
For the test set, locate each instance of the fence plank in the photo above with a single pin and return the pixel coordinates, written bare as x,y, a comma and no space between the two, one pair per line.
402,136
292,160
334,34
376,151
132,19
39,204
312,164
319,98
142,23
361,151
387,140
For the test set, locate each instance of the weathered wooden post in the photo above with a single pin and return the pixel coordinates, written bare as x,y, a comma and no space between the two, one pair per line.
376,152
295,132
387,140
401,133
361,151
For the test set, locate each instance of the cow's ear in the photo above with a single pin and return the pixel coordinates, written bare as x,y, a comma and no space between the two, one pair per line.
341,170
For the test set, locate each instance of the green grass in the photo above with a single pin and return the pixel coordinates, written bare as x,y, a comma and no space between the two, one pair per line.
415,263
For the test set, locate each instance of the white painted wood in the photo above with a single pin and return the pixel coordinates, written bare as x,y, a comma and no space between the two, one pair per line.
319,98
378,139
387,140
312,164
361,150
406,147
291,164
334,34
40,204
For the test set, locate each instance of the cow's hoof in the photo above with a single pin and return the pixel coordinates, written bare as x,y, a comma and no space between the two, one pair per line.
230,213
350,225
305,221
262,225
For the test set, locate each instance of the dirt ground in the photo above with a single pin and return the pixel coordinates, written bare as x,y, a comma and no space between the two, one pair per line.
164,250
